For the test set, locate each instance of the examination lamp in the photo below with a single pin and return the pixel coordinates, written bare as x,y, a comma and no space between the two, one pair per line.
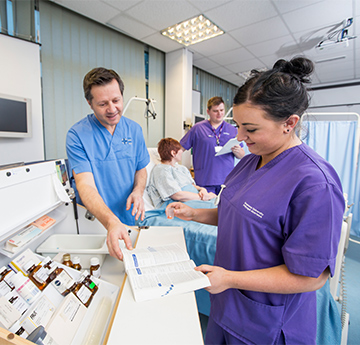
192,31
148,102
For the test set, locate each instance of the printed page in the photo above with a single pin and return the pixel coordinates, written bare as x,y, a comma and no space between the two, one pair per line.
227,147
163,280
152,256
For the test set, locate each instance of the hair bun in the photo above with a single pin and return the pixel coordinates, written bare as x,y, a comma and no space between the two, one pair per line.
298,67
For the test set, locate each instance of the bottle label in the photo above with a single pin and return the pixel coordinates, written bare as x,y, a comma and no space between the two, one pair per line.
41,275
28,291
61,281
84,294
96,273
4,288
51,268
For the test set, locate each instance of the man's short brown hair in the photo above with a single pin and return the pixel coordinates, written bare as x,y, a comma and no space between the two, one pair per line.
100,76
214,101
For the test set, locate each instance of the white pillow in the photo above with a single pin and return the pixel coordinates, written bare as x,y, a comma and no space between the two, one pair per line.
154,159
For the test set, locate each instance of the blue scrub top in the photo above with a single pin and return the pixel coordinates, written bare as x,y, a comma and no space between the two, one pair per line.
112,159
288,212
209,170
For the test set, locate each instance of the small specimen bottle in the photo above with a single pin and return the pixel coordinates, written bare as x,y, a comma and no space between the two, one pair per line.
37,274
52,269
5,275
95,267
76,263
70,287
67,260
85,289
25,287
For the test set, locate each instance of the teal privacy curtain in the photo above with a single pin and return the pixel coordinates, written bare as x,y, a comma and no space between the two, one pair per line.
335,137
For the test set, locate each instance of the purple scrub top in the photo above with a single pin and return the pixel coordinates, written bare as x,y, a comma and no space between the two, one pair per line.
208,169
288,212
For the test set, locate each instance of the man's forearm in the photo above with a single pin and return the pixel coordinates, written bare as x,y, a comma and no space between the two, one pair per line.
140,181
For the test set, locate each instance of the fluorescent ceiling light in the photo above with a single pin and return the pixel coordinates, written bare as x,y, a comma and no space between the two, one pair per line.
192,31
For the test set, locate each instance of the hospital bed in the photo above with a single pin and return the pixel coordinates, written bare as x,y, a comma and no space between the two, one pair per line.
201,245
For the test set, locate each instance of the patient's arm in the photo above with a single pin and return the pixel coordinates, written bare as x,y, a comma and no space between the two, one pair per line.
185,196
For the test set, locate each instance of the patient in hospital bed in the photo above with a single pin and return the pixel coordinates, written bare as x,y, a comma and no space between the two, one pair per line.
170,181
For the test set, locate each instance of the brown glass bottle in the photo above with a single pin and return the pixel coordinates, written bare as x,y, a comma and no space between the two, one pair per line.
67,260
70,288
5,276
52,269
37,274
76,263
85,289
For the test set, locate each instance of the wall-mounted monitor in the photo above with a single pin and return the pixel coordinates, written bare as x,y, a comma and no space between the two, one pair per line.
198,117
15,117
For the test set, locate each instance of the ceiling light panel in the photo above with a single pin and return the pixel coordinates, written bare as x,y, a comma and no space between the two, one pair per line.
192,31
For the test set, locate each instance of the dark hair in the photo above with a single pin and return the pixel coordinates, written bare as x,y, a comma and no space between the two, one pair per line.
165,146
280,91
214,101
100,76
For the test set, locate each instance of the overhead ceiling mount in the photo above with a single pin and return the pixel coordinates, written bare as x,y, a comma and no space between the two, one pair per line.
337,36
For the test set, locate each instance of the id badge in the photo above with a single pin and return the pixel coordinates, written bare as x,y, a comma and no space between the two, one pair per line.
217,148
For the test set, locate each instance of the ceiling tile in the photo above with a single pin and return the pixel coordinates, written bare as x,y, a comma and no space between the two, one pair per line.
205,64
205,5
162,43
162,14
232,56
122,5
235,14
325,14
245,66
214,45
95,10
219,71
138,31
282,47
284,6
260,32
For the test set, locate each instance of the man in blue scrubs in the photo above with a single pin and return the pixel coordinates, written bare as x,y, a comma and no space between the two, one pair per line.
108,158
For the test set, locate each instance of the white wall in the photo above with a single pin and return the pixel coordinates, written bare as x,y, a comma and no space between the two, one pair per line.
339,99
20,76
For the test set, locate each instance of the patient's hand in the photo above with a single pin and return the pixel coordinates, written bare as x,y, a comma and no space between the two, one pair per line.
205,196
209,196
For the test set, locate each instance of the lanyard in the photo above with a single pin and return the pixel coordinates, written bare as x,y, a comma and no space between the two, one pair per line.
218,136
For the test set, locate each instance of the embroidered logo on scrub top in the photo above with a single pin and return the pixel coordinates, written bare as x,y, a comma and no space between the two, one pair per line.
253,210
126,141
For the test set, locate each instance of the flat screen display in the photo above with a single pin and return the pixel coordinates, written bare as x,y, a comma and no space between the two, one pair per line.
15,116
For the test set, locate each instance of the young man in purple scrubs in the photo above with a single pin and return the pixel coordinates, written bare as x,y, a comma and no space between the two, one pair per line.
108,157
207,138
279,219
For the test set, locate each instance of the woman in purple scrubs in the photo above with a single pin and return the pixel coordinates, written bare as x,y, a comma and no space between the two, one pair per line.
279,219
